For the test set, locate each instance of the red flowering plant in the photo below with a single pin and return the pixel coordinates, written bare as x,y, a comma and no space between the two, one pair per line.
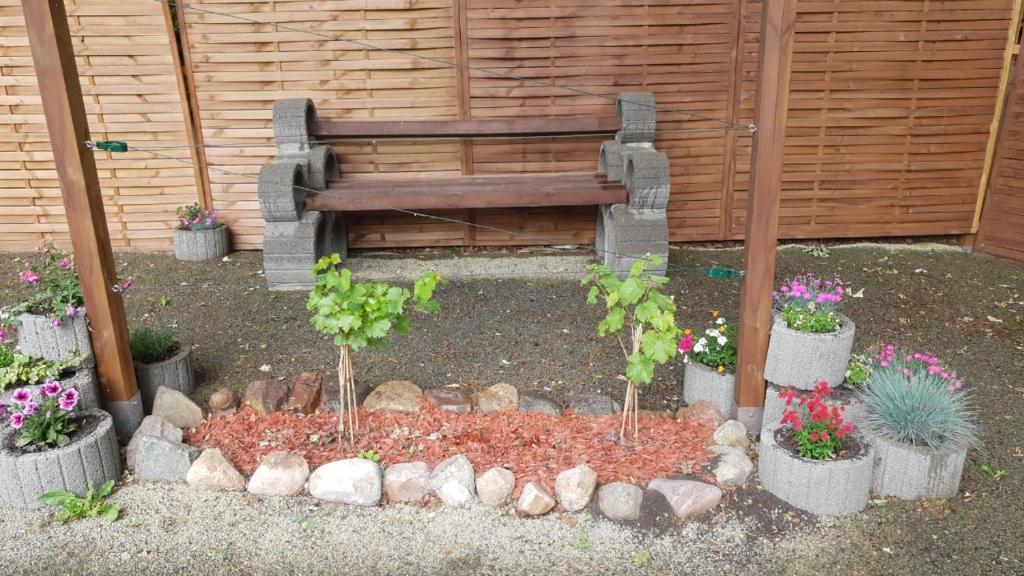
817,426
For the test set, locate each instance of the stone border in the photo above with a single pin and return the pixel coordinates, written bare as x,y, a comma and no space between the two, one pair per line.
914,472
84,380
701,382
801,359
95,458
774,406
200,245
825,488
37,337
174,373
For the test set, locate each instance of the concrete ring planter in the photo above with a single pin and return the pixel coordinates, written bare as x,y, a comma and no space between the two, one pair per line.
802,359
822,487
94,459
775,406
912,472
174,373
37,337
199,245
701,382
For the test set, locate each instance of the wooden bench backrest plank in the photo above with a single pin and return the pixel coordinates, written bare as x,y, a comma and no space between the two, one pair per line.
486,128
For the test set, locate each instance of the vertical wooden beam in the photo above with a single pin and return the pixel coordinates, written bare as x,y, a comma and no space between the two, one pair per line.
460,34
61,93
778,21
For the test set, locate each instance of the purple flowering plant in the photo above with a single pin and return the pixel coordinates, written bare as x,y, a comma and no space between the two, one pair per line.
195,217
42,416
809,303
58,293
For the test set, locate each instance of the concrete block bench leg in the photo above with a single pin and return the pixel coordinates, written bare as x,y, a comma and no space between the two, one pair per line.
625,235
637,110
291,248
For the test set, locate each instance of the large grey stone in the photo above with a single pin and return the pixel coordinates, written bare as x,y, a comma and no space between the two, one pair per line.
199,245
823,487
176,408
355,481
265,396
94,458
620,501
732,433
498,397
38,337
407,482
213,471
594,404
151,426
733,466
394,396
279,474
160,460
494,486
703,383
914,472
801,359
174,373
454,481
575,487
687,497
531,402
534,500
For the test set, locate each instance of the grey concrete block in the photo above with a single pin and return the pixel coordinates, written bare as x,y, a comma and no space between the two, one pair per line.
801,360
174,373
127,415
822,487
291,248
37,337
611,160
703,383
280,191
775,406
321,167
292,118
913,472
625,235
638,111
160,460
26,476
200,245
647,179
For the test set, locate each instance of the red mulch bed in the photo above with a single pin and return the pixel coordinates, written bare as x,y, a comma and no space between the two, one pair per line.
533,446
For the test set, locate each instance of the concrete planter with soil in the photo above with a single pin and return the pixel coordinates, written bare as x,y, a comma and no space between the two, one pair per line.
823,487
38,337
775,406
84,380
199,245
174,373
701,382
911,472
92,458
802,359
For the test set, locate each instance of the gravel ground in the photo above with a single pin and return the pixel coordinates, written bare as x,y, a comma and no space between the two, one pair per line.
505,319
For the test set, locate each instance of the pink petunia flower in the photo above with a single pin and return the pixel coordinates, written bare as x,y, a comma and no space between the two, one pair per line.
51,388
17,420
68,400
21,395
29,277
56,322
31,408
64,264
71,311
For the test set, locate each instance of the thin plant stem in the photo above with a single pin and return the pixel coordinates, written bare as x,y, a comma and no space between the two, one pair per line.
341,394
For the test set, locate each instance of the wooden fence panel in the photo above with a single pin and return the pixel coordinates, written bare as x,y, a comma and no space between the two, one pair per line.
130,85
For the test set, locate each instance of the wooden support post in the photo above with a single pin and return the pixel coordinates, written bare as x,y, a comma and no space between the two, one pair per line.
778,20
50,39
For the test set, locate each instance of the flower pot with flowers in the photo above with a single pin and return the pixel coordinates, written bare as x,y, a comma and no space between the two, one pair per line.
920,421
48,446
857,373
710,360
200,235
810,340
21,371
161,359
812,459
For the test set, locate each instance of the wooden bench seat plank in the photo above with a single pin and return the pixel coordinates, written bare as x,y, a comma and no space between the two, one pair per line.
465,192
493,127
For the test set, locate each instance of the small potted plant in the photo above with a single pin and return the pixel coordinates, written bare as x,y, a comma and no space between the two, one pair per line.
199,235
920,422
810,339
47,446
161,360
811,458
710,372
21,371
857,373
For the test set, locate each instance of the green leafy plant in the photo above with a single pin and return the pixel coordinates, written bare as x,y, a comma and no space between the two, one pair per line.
819,251
194,217
58,292
716,348
991,472
582,543
362,315
643,559
816,425
151,345
17,369
369,455
635,304
858,371
72,507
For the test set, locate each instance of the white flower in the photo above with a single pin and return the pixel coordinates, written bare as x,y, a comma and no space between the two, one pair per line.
712,333
722,340
720,321
700,346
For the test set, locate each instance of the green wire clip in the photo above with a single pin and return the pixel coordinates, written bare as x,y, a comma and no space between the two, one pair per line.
110,145
722,273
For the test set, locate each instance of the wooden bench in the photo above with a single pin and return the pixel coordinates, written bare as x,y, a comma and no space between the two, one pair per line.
303,196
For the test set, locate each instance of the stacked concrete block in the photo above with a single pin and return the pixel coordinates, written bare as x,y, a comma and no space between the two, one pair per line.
628,232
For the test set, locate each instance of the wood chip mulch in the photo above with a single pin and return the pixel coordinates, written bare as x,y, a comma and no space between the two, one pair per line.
533,446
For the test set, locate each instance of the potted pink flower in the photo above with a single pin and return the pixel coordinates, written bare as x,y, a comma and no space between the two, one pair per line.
48,446
710,364
200,235
812,459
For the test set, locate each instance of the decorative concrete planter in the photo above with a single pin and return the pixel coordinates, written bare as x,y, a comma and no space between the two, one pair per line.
802,359
174,373
94,458
701,382
912,472
823,487
775,406
199,245
37,337
84,380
